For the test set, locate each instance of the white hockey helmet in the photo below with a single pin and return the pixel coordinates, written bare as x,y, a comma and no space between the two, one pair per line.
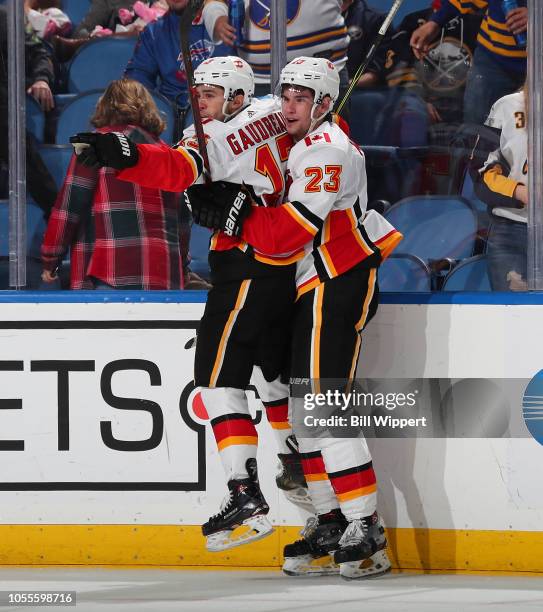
316,73
231,73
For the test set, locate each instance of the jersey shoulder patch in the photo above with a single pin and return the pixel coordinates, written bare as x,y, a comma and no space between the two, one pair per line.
319,138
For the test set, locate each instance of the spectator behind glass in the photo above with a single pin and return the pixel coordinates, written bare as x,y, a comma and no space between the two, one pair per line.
422,93
314,28
363,23
46,18
106,17
157,61
501,184
102,13
39,78
120,235
499,64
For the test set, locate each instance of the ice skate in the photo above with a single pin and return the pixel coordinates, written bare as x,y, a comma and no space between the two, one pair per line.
291,481
242,517
361,551
312,555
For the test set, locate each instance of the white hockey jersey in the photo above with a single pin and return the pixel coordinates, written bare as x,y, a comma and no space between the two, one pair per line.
314,27
251,148
325,213
508,115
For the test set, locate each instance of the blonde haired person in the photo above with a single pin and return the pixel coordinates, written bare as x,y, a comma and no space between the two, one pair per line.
502,185
120,235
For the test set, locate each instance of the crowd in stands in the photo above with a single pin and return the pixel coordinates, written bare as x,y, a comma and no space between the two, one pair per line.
417,111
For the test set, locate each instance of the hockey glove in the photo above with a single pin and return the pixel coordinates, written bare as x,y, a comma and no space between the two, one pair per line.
206,211
113,149
231,199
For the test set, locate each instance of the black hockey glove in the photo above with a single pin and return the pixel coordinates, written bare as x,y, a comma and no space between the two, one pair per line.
205,210
113,149
229,200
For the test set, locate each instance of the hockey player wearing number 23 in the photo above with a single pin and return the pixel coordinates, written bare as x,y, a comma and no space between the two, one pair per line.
337,295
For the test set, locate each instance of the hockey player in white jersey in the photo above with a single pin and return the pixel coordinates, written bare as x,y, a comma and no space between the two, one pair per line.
502,185
337,293
249,307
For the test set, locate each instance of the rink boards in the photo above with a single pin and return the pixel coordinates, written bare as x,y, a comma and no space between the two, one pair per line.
107,459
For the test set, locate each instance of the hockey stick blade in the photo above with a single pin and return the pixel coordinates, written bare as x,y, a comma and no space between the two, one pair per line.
185,24
370,54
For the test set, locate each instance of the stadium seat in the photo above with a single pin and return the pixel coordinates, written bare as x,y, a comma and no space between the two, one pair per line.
404,272
365,108
99,62
57,158
199,249
435,227
75,116
35,118
35,227
469,275
76,10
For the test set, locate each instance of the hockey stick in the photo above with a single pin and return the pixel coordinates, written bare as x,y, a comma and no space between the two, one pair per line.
369,56
185,23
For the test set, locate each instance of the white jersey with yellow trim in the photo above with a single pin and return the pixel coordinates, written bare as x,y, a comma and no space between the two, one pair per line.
251,148
314,27
509,116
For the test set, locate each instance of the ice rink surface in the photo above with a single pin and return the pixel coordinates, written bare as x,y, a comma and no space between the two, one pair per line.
113,590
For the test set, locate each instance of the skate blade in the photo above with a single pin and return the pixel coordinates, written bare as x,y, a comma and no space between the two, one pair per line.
306,565
300,497
252,529
377,565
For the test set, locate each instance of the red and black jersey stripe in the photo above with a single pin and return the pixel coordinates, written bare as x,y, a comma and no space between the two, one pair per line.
354,482
232,429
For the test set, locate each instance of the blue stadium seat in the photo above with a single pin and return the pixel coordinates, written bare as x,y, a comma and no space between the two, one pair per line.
75,116
199,249
365,108
435,227
35,118
404,272
75,9
35,228
57,158
469,275
99,62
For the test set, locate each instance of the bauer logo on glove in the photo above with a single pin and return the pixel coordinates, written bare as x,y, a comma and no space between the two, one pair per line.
112,149
231,225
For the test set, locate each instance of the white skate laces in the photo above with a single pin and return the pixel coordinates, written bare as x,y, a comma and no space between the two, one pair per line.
224,504
354,534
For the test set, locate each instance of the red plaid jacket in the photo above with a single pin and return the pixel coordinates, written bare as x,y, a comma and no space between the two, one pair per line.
117,232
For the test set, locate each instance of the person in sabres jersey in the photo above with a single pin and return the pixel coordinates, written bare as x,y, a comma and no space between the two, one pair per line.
248,311
315,28
499,62
324,217
502,185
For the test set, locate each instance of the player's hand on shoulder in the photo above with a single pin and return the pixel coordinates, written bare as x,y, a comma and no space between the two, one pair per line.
112,149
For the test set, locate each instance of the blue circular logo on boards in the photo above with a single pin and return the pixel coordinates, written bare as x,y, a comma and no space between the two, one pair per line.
259,12
532,407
